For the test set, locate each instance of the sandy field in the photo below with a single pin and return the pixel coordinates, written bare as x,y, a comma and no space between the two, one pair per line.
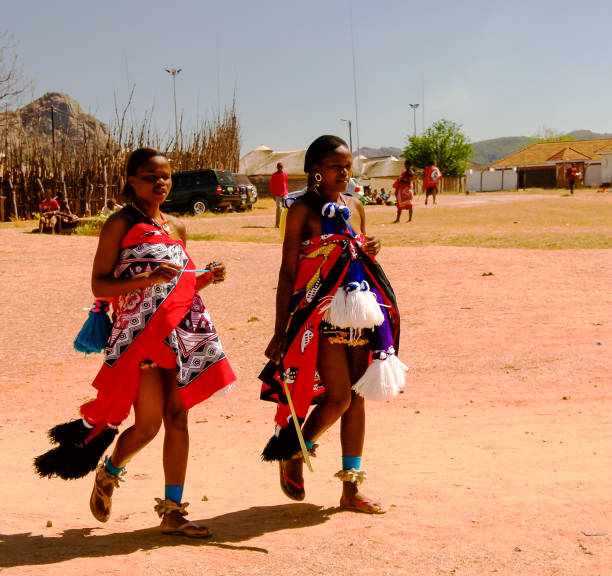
495,460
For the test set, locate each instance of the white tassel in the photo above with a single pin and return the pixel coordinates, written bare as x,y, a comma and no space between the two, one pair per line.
363,310
399,370
383,379
357,309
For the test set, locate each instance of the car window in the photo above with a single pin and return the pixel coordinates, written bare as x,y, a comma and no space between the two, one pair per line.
225,178
205,179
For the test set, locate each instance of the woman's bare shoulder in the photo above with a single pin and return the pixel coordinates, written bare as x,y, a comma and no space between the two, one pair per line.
177,224
118,223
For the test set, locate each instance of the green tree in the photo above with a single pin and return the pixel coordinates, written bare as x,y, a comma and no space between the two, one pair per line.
443,144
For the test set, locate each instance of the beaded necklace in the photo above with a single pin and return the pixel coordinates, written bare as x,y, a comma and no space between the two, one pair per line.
164,226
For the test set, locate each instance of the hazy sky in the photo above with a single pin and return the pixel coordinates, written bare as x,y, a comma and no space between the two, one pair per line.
497,68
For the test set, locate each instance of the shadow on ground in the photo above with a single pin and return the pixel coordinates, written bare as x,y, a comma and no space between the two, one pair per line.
27,550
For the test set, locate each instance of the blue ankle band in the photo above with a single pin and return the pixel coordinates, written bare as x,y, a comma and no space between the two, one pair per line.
111,469
309,444
174,493
351,463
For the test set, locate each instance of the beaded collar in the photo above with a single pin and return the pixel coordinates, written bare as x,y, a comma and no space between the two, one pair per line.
164,226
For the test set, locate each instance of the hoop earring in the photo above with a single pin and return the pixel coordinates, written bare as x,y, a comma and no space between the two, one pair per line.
315,180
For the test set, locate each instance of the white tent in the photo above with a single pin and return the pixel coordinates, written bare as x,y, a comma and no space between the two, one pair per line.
262,161
293,164
255,158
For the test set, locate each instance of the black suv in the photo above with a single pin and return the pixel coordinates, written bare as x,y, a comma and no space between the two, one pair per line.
198,191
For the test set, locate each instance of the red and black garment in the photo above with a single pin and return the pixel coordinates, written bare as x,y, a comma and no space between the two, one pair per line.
166,324
324,263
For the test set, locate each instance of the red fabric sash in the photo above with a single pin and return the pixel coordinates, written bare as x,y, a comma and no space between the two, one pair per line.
323,264
145,328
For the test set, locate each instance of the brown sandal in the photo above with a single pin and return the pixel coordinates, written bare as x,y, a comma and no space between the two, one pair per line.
358,503
292,486
174,523
101,499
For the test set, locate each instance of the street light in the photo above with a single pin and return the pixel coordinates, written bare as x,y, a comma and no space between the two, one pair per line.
174,72
414,107
350,127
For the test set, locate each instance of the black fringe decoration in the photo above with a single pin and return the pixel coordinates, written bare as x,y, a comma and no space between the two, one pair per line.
283,446
73,458
73,432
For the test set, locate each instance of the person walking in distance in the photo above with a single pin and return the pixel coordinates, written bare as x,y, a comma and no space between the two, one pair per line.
404,191
279,188
431,179
572,174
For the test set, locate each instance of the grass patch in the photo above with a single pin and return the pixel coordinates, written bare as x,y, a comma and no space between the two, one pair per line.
533,222
205,237
536,219
91,227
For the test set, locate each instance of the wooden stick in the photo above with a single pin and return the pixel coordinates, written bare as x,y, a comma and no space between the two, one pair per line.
296,422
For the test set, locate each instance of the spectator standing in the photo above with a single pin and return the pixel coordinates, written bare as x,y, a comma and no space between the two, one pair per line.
431,179
572,174
279,188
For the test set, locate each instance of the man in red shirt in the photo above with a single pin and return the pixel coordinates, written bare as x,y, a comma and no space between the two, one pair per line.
49,208
279,188
432,177
572,174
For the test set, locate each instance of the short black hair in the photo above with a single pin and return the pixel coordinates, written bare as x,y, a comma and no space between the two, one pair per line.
137,159
323,146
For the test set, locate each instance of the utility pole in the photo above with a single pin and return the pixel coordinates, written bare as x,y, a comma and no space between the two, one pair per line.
414,107
6,131
355,85
53,139
350,128
173,72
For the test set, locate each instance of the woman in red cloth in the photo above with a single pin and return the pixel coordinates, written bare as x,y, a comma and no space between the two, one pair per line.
336,325
163,355
404,191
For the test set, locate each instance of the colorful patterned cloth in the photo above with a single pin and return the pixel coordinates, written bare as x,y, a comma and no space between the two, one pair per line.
324,264
166,324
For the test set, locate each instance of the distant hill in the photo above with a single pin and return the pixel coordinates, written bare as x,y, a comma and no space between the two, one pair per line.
489,151
587,135
56,111
380,152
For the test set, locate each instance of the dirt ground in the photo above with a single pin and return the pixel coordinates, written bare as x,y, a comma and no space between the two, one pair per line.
495,460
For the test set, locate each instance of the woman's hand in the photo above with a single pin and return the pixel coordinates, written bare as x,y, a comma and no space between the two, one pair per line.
162,274
371,245
276,347
217,269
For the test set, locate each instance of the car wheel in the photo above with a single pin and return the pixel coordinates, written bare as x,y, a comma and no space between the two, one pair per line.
199,206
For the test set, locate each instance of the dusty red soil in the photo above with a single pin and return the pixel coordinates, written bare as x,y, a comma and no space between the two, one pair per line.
495,460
